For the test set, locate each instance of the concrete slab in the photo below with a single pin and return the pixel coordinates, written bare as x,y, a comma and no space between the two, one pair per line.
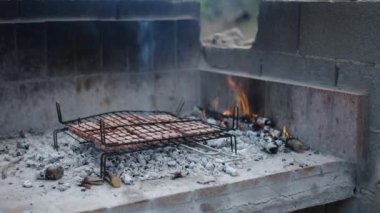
114,50
62,9
31,104
8,53
164,45
265,186
8,9
31,47
88,47
188,43
61,49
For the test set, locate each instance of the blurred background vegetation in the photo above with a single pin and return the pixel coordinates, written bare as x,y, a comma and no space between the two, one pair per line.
220,15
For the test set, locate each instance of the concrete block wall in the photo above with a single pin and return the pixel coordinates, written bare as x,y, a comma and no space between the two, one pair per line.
94,56
330,45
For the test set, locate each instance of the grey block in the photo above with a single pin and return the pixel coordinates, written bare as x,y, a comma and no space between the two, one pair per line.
88,47
244,60
189,8
278,26
67,9
356,77
114,49
8,53
366,79
31,44
164,43
188,43
305,70
60,48
8,9
150,8
341,30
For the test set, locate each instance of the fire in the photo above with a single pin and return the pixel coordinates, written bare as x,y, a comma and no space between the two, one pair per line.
285,132
241,98
215,104
227,112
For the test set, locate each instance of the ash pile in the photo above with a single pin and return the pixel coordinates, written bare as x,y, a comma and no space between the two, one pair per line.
30,159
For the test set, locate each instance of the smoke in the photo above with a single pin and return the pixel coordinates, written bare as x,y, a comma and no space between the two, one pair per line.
146,44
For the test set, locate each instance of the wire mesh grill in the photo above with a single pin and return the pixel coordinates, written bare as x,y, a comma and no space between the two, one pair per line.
122,131
128,131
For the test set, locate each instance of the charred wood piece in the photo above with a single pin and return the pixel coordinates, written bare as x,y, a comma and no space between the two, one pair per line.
296,145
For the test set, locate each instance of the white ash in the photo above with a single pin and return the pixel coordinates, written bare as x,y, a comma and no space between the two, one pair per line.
231,171
27,184
82,160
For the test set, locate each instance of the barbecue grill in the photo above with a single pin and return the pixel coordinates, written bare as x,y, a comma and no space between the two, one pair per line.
120,132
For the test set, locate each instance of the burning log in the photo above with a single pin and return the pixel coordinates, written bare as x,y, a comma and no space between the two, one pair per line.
220,118
293,143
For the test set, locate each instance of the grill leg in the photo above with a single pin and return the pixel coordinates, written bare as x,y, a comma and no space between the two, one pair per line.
55,136
235,144
103,160
232,146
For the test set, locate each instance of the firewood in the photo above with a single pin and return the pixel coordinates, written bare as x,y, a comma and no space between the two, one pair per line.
295,145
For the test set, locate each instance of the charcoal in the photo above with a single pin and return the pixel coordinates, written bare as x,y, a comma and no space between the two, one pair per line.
54,172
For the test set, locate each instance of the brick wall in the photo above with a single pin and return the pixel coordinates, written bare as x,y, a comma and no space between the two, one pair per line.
94,56
330,45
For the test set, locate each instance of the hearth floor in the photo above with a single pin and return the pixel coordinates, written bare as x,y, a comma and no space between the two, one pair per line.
275,183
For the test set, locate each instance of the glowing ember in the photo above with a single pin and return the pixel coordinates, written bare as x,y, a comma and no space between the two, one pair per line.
227,112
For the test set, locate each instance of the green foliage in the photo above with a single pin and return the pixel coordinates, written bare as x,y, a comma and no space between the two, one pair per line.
208,8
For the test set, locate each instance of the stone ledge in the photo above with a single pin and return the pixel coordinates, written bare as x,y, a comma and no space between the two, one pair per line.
20,11
267,186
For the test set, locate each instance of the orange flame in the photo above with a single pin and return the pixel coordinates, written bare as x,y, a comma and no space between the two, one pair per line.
240,97
215,104
227,112
285,132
